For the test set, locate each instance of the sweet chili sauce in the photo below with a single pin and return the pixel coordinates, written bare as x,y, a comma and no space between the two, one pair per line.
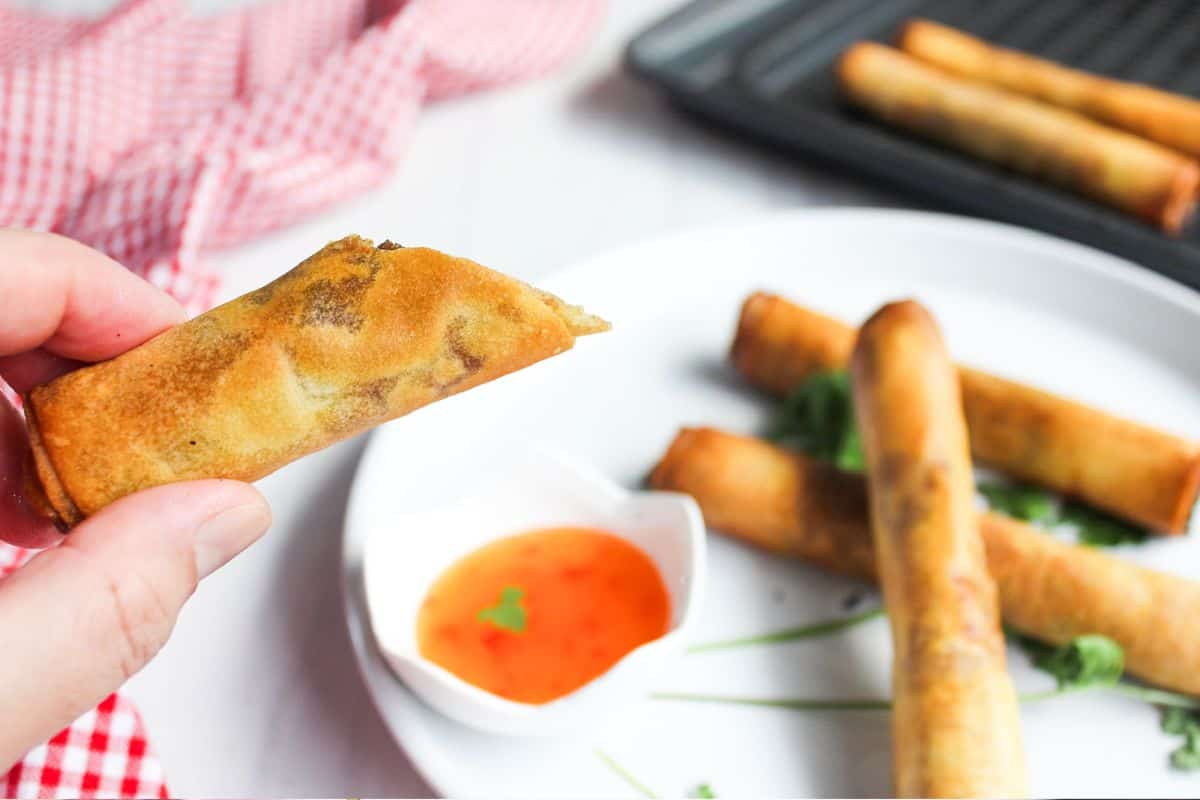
535,616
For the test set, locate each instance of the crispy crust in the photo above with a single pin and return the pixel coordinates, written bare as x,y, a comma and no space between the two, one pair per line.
352,337
42,487
1132,470
956,731
1138,176
1048,589
778,344
1170,119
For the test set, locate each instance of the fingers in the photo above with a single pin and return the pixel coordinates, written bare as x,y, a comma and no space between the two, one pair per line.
80,618
19,523
60,303
73,301
24,371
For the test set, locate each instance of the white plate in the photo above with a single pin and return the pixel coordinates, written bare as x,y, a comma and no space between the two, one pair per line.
1056,314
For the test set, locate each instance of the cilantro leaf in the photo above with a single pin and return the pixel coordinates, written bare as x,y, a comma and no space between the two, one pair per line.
1185,723
1187,755
704,791
1020,502
1090,660
508,613
818,418
1176,721
1098,529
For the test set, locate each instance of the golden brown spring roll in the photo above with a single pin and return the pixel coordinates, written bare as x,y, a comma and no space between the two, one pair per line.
1131,470
1144,179
352,337
1170,119
955,727
1053,591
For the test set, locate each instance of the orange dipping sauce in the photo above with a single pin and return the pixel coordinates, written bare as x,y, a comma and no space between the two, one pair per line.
535,616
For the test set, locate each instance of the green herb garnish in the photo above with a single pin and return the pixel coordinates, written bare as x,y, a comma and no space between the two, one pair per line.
626,775
818,418
1040,507
1098,529
811,631
1083,662
791,703
704,792
1090,662
508,613
1021,502
1185,723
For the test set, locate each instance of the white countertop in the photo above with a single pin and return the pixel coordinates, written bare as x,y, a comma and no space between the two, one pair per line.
257,693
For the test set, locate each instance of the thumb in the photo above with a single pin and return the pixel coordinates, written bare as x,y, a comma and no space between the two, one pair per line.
81,618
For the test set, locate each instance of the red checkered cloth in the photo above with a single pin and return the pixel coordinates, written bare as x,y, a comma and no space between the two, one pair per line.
155,136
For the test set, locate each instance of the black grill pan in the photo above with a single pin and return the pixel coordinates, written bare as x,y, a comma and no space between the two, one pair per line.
764,68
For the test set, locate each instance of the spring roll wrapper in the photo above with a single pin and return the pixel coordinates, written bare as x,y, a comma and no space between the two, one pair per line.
353,336
955,726
782,502
1140,177
1131,470
1169,119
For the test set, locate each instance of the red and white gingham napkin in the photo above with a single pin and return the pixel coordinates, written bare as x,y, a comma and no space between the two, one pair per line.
156,136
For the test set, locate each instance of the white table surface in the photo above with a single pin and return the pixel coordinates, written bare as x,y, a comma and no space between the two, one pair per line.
257,693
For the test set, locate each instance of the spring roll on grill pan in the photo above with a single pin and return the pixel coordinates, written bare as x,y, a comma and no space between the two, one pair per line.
1131,470
352,337
1053,591
1170,119
955,727
1140,177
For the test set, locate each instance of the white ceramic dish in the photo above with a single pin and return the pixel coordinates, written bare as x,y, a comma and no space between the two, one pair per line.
1052,313
531,489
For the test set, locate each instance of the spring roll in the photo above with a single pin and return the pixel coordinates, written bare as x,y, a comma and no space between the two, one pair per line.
1139,177
352,337
1131,470
780,501
1169,119
955,725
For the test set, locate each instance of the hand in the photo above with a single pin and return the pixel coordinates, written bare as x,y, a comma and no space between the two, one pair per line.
91,610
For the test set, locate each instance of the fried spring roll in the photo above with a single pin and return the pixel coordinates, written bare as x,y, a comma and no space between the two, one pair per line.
782,502
352,337
1131,470
955,726
1142,178
1170,119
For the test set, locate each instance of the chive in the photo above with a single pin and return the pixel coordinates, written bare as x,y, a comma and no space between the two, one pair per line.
1157,697
812,631
795,704
626,775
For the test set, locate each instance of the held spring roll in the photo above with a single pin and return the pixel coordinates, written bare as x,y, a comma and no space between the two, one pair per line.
353,336
1170,119
1139,177
1131,470
1053,591
955,726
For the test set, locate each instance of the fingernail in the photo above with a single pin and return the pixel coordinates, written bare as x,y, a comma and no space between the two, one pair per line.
227,533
